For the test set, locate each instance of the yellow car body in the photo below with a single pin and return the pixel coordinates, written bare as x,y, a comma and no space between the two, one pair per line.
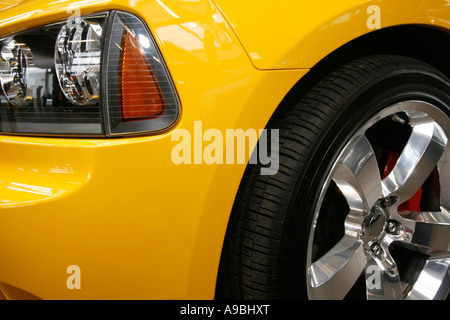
136,224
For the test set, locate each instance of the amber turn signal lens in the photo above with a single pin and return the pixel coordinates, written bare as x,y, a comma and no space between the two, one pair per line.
141,96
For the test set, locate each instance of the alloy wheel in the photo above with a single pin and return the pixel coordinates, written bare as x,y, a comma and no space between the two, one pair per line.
390,197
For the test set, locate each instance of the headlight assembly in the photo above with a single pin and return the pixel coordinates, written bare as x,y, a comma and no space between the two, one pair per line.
98,75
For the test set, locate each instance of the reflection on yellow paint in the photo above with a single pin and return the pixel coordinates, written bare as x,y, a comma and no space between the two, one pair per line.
182,37
22,187
169,11
19,17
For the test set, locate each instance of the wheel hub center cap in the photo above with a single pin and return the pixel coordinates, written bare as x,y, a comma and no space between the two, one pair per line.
375,223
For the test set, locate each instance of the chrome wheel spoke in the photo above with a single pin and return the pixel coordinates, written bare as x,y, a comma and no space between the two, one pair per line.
383,280
357,175
428,229
420,156
334,274
434,280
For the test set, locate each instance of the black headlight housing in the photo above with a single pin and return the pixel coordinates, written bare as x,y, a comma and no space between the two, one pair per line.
100,75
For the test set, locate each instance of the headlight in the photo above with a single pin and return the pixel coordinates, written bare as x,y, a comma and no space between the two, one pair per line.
98,75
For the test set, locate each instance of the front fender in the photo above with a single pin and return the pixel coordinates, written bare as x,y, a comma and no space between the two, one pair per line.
297,34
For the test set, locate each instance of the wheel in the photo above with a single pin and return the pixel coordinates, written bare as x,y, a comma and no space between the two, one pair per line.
359,207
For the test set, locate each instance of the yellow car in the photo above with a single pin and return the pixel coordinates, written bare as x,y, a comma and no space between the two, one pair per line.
219,149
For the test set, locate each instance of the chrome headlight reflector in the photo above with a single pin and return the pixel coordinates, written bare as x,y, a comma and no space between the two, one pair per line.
98,75
77,60
15,60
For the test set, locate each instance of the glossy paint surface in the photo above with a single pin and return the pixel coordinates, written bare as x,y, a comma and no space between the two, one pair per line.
298,34
138,225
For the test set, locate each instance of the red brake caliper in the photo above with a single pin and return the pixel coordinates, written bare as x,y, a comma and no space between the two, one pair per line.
412,204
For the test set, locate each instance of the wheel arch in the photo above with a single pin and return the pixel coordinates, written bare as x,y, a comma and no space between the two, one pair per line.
422,42
289,34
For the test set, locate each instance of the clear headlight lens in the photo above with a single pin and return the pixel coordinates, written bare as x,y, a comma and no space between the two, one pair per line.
15,60
77,60
99,75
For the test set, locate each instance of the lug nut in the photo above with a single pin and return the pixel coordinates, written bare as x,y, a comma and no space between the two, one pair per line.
389,201
376,249
386,202
391,227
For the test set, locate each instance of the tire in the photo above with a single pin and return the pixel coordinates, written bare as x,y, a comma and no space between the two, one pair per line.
359,207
